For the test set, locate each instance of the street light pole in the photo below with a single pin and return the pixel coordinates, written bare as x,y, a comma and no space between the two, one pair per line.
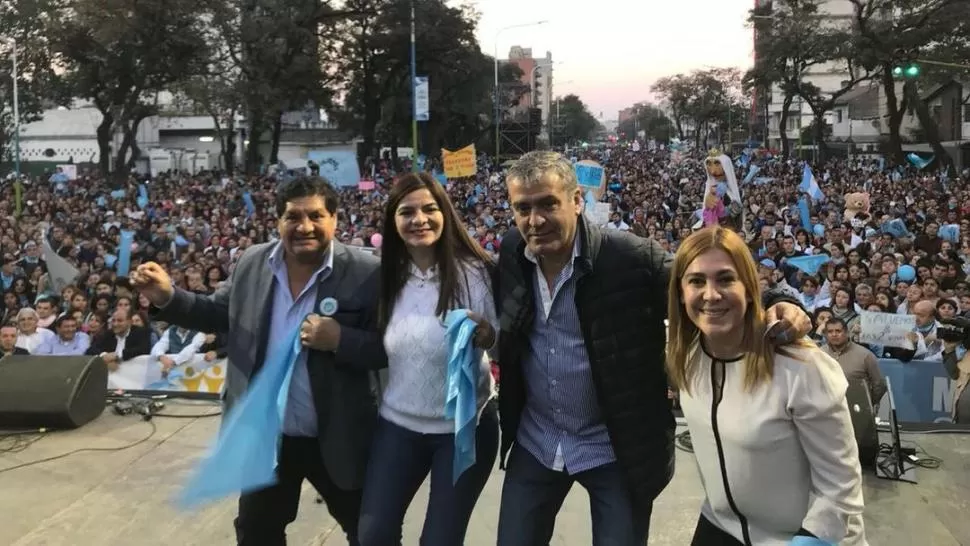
498,116
16,111
414,97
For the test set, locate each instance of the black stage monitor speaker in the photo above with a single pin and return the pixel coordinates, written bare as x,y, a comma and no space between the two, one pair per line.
864,422
51,391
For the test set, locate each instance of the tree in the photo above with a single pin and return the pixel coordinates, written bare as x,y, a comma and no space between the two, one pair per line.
677,92
38,85
935,29
218,96
375,62
280,49
649,119
120,54
706,99
574,122
790,42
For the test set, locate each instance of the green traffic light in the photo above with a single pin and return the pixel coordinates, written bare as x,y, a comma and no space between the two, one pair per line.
912,71
897,71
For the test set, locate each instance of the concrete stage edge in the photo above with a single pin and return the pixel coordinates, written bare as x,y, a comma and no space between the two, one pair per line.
121,498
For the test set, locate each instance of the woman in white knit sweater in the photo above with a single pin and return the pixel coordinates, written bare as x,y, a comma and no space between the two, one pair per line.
771,428
430,265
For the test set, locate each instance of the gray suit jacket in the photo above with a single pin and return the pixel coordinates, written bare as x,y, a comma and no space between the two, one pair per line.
344,383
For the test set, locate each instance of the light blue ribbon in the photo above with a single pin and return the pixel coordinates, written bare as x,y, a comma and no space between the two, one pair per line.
461,398
245,456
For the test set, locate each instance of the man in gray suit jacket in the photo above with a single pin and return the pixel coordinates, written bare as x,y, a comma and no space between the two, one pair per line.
328,291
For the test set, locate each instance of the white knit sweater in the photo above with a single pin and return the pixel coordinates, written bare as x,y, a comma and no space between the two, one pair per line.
417,352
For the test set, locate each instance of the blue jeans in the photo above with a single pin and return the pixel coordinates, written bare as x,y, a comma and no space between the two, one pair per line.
400,460
533,494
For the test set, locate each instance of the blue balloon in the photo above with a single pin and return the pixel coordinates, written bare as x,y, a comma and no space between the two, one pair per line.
905,273
819,230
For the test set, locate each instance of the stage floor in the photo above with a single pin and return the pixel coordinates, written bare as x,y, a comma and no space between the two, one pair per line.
121,498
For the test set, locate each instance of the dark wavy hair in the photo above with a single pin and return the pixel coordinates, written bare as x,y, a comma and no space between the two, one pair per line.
454,247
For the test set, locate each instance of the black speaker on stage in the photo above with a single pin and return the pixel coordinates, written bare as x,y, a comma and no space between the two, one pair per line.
864,422
51,391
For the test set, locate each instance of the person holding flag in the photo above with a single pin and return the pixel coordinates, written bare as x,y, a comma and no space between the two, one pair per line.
312,289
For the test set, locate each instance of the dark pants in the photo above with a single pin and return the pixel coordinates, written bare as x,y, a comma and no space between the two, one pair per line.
264,514
533,494
400,461
708,534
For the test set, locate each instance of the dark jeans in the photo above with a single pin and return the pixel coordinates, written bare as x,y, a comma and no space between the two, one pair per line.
264,514
708,534
400,461
533,494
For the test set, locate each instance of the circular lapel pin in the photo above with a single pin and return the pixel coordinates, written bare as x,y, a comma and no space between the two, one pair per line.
328,307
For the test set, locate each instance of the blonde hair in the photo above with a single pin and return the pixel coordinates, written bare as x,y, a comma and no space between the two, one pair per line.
758,359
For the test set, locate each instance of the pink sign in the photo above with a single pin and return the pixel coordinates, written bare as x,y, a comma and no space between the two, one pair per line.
366,185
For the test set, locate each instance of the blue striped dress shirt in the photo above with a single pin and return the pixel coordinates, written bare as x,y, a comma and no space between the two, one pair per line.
300,416
562,425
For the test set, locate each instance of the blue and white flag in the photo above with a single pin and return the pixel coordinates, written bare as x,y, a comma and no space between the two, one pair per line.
949,232
896,228
804,213
808,264
124,252
752,172
248,201
810,186
142,199
918,161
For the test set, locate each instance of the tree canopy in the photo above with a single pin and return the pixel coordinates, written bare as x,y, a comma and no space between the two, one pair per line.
710,102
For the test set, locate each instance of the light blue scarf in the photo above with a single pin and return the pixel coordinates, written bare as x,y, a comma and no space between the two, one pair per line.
245,456
461,398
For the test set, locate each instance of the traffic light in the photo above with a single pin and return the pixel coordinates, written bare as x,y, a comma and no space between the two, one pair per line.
910,70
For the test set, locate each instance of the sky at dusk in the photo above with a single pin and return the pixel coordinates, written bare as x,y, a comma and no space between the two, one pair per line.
611,51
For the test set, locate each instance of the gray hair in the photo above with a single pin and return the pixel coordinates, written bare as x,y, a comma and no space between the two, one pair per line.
533,166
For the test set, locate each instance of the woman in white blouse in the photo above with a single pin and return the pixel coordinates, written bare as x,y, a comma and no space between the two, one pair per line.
430,265
770,427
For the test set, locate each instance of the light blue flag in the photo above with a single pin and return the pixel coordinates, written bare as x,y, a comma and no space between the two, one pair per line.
245,455
809,541
808,264
896,228
124,252
804,213
101,201
810,186
142,199
589,176
118,194
949,232
110,260
918,161
250,206
461,398
590,199
752,172
441,178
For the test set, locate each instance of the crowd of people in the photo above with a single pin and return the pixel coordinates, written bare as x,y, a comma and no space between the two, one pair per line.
194,229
